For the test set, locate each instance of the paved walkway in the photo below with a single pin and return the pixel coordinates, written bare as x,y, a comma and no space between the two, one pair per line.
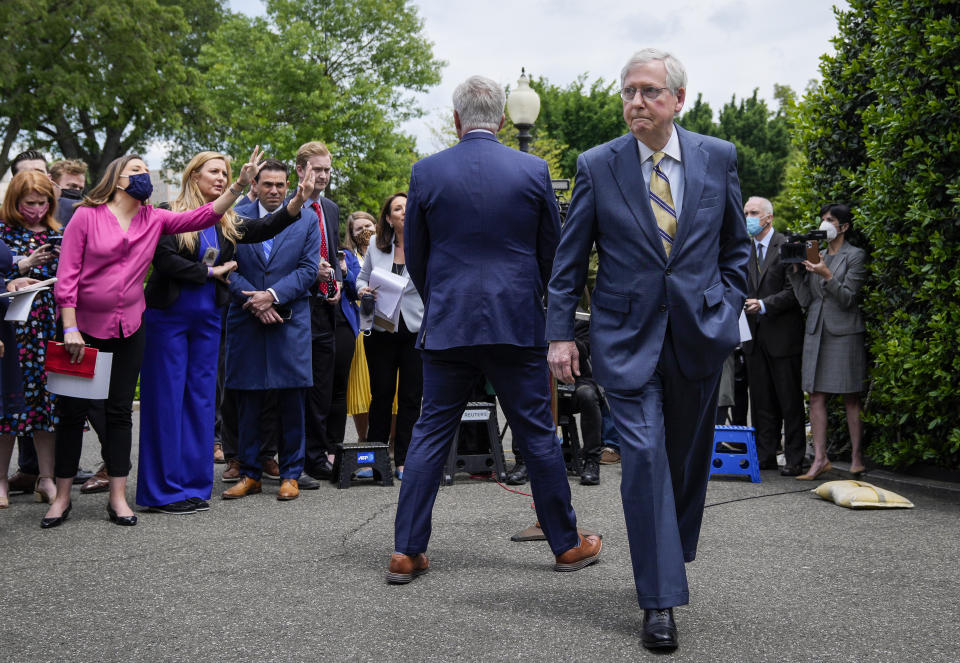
779,577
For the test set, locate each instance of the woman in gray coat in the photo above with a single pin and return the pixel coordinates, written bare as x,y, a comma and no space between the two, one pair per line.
834,354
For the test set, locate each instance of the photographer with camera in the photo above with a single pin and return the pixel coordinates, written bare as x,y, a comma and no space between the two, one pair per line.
773,356
834,355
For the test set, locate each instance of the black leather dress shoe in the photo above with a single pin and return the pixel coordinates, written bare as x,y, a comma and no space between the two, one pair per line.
590,476
307,482
518,475
769,465
323,471
659,629
47,523
791,471
126,521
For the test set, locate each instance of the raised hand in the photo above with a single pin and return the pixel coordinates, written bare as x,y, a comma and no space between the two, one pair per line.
251,168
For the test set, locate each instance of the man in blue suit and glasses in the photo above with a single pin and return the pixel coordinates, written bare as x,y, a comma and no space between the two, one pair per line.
663,207
480,234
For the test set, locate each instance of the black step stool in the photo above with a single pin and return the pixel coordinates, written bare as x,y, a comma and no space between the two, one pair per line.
476,412
351,457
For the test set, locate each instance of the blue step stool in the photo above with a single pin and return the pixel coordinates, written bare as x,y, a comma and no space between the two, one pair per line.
734,461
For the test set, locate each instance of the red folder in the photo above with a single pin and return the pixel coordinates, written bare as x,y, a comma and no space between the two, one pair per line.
58,361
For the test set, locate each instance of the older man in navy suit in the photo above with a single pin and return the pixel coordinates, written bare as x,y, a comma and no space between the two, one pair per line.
480,233
663,207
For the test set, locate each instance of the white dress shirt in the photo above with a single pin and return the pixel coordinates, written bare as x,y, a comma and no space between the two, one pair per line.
765,243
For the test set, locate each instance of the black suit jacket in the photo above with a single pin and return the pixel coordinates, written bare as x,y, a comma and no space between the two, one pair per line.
780,329
173,266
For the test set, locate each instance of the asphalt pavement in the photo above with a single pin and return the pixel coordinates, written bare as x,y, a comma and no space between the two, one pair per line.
781,575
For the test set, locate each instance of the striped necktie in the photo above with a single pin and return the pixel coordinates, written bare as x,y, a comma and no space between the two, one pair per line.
661,200
267,246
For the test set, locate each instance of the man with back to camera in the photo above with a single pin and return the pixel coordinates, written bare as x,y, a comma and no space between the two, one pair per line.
774,354
480,233
663,206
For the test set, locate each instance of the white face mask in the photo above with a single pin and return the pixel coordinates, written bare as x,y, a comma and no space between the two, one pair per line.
830,229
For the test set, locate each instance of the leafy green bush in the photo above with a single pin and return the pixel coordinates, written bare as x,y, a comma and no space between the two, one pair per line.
883,132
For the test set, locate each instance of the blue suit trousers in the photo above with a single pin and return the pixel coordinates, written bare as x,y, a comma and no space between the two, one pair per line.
667,440
290,446
521,380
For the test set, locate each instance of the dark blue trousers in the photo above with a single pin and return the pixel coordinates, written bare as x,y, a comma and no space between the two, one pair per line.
178,395
521,380
290,446
667,439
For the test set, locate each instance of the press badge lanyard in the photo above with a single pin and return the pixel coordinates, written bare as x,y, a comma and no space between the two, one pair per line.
212,252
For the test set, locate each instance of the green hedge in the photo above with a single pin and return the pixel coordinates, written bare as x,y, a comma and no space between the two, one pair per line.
883,132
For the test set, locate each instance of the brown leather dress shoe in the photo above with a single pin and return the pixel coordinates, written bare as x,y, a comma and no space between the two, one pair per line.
21,483
232,472
583,555
404,568
246,486
218,454
98,483
270,469
289,490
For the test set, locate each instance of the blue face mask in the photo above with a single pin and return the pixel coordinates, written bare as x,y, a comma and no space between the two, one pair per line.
140,187
753,226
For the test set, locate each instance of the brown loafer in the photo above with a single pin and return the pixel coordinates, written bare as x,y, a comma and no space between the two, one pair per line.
98,483
585,554
218,454
245,486
404,568
289,490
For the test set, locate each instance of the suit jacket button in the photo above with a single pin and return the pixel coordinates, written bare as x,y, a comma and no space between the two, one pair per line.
663,308
669,271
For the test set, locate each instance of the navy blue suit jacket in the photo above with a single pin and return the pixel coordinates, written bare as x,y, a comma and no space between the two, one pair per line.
480,233
700,289
274,356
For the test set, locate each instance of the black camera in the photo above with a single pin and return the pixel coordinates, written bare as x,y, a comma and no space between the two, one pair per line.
560,186
367,303
800,247
565,396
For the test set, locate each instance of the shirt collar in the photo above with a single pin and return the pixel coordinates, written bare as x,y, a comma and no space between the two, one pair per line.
487,131
765,242
263,210
671,149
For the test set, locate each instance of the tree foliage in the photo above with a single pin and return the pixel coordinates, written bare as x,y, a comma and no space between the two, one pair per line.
883,131
340,71
761,135
95,79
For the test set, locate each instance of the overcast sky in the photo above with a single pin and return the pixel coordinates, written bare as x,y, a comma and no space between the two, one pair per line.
728,46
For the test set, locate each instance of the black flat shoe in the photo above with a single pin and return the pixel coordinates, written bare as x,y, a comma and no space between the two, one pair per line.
517,476
47,523
127,521
659,629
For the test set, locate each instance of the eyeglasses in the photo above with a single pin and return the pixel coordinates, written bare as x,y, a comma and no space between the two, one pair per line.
649,92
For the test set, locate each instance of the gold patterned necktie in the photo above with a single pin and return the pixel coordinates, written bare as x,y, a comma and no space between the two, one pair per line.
661,200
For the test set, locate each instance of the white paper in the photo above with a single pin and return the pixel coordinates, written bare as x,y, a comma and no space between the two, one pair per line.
744,328
19,308
96,388
389,287
40,285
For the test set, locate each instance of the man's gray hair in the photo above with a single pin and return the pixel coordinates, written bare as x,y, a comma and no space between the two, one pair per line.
764,203
676,73
479,102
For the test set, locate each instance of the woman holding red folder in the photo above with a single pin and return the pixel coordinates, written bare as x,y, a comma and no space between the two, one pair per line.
107,249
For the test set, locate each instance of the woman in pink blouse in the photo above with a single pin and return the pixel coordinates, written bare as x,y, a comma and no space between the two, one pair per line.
105,254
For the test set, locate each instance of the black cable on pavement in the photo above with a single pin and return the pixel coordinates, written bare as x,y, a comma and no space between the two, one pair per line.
757,497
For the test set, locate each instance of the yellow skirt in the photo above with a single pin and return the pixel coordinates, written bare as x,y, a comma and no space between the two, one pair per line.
358,386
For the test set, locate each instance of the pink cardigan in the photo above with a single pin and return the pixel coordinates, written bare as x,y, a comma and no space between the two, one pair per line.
102,268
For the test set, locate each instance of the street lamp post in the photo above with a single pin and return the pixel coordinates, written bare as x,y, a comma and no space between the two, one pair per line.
523,105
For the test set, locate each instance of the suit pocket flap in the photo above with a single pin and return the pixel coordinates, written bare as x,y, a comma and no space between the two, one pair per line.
610,301
713,295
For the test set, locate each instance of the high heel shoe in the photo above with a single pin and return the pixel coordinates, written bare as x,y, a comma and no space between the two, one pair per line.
47,523
4,502
810,476
128,521
41,496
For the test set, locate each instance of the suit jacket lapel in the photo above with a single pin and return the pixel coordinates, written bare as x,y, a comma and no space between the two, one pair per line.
628,174
278,241
695,160
772,247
